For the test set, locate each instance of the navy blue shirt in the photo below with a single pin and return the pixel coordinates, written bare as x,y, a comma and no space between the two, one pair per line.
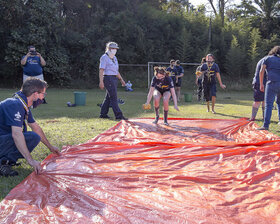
272,63
162,85
210,75
171,70
33,66
12,113
256,79
179,69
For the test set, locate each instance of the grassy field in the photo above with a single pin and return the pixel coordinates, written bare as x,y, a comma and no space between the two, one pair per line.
73,125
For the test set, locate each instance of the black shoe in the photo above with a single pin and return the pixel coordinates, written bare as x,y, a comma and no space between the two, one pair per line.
166,123
262,128
44,101
6,170
156,120
104,116
122,118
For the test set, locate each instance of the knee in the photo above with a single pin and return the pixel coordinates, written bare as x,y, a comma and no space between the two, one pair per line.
32,137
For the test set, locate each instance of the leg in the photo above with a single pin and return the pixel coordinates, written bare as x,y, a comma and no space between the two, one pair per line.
213,96
213,104
157,96
105,106
270,93
255,108
166,97
278,107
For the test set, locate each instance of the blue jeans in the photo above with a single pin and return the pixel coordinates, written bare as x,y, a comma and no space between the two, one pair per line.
272,89
111,98
8,149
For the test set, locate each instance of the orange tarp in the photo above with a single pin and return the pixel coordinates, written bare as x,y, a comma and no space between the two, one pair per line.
193,171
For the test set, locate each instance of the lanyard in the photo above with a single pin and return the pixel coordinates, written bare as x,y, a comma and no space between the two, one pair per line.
26,111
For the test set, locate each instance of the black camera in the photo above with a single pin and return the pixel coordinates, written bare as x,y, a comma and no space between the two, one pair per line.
33,52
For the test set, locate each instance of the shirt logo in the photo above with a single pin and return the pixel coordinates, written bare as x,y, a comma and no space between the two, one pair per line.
17,116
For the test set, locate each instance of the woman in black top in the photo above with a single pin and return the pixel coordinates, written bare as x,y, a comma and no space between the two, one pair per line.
162,87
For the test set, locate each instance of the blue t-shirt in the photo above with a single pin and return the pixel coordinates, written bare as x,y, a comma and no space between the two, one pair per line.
110,66
272,63
171,70
12,113
210,74
33,66
178,70
162,85
256,79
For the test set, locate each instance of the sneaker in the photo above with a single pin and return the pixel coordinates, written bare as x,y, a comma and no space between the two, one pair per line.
278,123
262,128
104,116
6,170
166,123
122,118
252,119
120,101
156,120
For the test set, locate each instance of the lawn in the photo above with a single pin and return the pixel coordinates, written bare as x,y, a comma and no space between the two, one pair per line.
74,125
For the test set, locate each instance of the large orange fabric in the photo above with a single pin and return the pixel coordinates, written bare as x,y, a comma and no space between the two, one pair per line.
193,171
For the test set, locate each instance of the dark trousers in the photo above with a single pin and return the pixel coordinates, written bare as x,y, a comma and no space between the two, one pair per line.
8,149
111,98
199,89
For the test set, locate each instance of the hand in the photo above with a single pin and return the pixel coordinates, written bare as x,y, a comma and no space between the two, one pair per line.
101,85
122,82
28,54
36,165
176,107
223,86
55,150
262,88
176,79
38,54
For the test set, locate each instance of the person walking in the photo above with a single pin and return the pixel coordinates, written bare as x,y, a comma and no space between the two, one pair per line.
198,80
172,71
33,64
212,71
178,81
271,65
161,87
15,141
108,79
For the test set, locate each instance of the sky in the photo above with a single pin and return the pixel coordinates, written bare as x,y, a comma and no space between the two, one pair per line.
199,2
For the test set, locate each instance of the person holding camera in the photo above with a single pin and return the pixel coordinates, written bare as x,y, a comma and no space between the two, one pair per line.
33,64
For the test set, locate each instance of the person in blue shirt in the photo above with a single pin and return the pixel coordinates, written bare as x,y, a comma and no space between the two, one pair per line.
33,64
179,73
172,71
15,141
258,95
161,87
271,65
108,79
211,72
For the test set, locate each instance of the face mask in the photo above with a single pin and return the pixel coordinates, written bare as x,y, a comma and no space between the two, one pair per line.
112,53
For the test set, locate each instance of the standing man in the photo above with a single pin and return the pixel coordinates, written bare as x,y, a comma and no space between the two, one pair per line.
171,70
108,79
212,71
178,81
15,141
271,65
33,64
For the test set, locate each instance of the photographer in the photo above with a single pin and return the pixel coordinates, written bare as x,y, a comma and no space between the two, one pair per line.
32,64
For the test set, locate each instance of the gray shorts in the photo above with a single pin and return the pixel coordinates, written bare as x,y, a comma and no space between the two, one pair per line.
38,77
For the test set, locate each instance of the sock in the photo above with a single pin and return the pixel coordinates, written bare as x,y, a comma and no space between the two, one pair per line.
165,116
157,111
254,112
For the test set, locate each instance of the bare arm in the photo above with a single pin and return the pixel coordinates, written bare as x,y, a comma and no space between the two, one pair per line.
121,79
42,60
22,148
261,77
101,75
37,129
150,95
23,60
220,80
174,98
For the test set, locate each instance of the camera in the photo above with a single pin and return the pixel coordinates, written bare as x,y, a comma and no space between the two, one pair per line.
33,52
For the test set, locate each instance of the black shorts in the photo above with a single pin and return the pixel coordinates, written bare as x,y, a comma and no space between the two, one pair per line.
258,95
161,91
179,83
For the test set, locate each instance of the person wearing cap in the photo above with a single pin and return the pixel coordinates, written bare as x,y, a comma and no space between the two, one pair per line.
171,70
108,79
212,71
179,73
33,64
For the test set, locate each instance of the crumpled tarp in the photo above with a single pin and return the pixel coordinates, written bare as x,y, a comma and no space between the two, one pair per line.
193,171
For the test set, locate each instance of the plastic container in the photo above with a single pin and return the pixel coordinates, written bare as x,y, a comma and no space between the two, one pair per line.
188,97
80,98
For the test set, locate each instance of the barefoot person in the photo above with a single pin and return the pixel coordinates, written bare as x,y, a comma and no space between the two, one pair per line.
161,87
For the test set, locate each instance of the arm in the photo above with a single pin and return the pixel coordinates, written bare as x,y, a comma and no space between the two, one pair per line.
23,60
220,80
150,95
22,148
181,75
121,79
42,60
101,75
174,98
37,129
261,77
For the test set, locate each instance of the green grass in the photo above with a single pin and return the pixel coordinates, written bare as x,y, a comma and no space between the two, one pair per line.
73,125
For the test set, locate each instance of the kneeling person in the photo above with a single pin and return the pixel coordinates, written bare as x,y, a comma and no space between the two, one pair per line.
15,141
162,87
